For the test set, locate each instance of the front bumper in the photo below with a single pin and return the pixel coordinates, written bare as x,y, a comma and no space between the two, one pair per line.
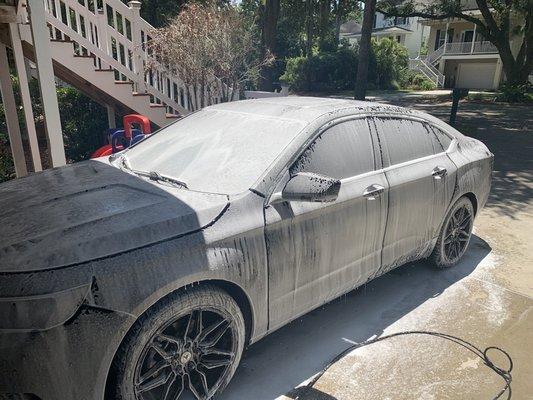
69,361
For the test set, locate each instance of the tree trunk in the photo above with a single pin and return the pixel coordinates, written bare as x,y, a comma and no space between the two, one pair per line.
364,50
325,34
309,28
270,25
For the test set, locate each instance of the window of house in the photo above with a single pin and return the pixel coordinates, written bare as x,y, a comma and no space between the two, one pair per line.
406,140
400,20
375,21
342,151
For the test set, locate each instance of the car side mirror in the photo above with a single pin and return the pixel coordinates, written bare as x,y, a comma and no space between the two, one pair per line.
306,186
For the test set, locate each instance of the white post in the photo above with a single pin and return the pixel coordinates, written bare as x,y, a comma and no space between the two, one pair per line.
41,46
12,121
135,7
103,40
111,120
497,74
26,99
446,37
473,40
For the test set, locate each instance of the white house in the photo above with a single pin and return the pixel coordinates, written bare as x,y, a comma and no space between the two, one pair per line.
407,31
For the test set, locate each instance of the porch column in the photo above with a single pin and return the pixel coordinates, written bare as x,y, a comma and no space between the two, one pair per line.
26,99
473,39
497,74
138,67
12,121
111,120
446,36
45,72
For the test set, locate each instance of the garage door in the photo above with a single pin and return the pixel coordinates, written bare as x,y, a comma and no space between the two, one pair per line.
476,75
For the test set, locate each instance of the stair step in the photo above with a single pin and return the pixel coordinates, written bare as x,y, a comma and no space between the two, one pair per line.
84,56
140,94
157,105
124,82
61,40
103,69
173,116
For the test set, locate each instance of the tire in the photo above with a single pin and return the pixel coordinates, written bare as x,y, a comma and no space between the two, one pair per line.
446,254
168,344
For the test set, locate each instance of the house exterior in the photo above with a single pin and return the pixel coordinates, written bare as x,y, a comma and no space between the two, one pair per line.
406,30
462,55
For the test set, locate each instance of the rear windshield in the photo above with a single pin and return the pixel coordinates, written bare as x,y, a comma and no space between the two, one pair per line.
214,150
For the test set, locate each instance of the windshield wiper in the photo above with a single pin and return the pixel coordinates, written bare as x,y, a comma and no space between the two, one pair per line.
156,176
152,175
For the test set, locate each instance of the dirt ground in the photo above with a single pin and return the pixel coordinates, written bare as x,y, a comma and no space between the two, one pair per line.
487,300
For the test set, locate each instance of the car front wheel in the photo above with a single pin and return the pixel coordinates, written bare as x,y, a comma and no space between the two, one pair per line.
455,234
191,341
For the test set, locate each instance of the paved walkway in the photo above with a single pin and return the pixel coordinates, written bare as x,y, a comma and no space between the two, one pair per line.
487,299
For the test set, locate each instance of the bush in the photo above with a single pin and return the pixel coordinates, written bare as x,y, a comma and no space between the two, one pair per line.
388,61
337,70
415,81
83,122
515,93
323,72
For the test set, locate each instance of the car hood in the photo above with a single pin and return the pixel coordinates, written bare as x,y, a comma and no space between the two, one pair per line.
90,210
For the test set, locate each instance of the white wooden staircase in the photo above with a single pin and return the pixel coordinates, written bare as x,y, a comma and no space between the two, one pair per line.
97,46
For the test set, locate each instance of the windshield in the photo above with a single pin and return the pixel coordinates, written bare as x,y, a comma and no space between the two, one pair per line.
214,150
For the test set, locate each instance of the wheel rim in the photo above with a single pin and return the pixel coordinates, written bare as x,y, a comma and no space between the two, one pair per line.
193,352
457,234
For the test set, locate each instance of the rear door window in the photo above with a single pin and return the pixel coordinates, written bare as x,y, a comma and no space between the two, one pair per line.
406,140
444,139
342,151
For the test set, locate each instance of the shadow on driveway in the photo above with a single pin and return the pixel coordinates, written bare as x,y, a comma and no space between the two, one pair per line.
283,360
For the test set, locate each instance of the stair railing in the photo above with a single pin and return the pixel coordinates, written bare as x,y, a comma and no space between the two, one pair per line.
114,34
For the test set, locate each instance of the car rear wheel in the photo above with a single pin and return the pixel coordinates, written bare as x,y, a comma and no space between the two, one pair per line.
192,341
455,234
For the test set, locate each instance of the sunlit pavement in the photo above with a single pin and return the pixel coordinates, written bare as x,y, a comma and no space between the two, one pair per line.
487,300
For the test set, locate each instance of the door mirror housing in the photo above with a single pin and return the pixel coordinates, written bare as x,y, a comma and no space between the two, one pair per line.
306,186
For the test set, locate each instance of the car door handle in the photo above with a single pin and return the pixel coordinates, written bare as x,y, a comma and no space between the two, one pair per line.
373,191
439,172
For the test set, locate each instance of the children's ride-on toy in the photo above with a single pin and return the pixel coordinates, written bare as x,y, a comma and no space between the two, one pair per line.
121,139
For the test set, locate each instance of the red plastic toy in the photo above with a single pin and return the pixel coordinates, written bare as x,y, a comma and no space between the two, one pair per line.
121,139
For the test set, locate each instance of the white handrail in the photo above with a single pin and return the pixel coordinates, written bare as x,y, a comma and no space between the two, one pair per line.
115,34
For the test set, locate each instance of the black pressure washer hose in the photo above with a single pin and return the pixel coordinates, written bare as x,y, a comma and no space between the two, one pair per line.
483,354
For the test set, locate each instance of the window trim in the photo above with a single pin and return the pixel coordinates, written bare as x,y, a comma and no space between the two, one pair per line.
378,162
424,158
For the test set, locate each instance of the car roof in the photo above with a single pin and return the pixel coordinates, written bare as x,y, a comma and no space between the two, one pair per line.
306,109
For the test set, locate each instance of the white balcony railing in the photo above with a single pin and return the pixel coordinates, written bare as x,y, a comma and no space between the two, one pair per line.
470,48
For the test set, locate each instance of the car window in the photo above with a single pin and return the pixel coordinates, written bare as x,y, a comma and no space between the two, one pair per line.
444,139
406,140
342,151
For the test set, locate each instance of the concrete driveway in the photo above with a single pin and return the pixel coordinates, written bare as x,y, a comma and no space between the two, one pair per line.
487,300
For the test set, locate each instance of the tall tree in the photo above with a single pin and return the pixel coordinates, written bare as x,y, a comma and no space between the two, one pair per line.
500,22
309,22
268,38
364,50
211,48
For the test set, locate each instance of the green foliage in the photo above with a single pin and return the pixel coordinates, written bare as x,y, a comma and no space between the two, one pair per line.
333,71
390,58
415,81
515,93
83,122
7,169
322,72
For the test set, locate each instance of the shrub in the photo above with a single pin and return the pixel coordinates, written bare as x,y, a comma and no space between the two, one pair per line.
415,81
323,72
389,59
515,93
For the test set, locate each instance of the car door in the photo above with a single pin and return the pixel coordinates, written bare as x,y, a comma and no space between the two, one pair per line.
317,251
421,181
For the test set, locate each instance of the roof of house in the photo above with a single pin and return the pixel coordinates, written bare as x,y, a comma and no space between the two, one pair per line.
381,31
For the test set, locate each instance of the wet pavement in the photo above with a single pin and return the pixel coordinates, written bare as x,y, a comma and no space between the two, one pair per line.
487,299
